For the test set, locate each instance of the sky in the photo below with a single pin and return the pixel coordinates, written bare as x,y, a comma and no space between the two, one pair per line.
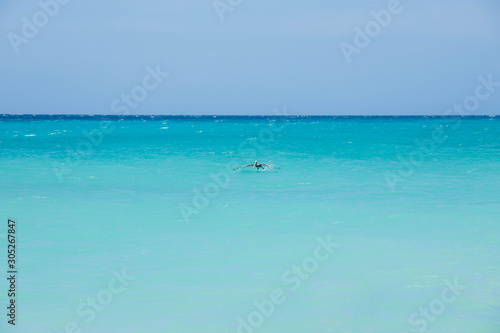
248,57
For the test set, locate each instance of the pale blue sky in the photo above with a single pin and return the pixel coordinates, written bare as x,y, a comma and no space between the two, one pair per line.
265,54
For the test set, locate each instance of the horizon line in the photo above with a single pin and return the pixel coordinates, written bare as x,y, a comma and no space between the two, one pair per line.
234,115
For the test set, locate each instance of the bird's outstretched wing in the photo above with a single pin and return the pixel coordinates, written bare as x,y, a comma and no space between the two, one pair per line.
243,166
267,165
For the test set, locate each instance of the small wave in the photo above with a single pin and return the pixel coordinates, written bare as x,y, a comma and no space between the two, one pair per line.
489,147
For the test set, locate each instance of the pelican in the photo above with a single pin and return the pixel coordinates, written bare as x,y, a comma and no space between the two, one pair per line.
256,165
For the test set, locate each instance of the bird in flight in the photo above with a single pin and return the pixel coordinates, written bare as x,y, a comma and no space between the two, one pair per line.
256,165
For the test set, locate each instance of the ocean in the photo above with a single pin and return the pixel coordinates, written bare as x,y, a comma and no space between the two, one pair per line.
140,224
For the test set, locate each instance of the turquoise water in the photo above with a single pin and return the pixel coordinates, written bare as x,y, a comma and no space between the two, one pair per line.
413,204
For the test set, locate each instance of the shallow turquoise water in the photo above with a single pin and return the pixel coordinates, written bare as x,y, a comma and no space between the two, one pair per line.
122,200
